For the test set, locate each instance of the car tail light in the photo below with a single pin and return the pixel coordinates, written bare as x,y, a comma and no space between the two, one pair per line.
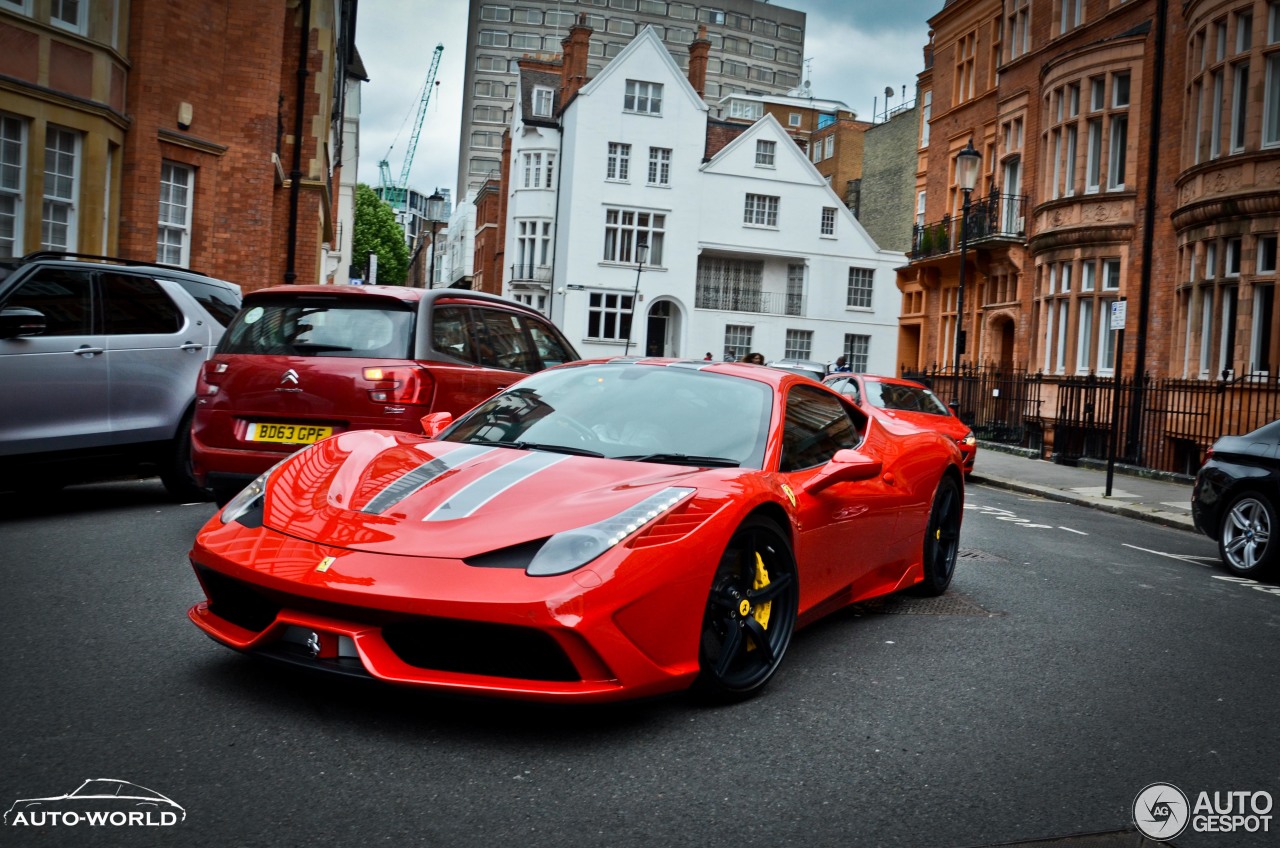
209,377
401,384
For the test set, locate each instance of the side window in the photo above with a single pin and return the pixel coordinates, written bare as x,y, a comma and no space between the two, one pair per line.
137,306
450,334
65,297
503,342
547,343
221,303
817,426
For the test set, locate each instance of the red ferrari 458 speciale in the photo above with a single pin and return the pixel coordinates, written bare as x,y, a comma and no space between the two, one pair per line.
595,532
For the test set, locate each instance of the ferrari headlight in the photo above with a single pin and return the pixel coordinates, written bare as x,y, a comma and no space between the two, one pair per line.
573,549
969,439
250,497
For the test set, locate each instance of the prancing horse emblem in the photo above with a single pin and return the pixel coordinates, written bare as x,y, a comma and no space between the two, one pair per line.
290,376
313,644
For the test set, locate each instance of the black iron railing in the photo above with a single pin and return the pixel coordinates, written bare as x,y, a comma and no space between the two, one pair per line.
994,216
746,300
527,273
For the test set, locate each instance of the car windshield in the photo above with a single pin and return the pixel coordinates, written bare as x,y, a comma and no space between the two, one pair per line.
624,411
321,327
906,398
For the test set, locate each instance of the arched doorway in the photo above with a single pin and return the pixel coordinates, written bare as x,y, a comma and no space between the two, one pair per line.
1002,339
662,329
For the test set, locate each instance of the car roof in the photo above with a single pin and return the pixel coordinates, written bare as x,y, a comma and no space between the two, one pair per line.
53,257
403,294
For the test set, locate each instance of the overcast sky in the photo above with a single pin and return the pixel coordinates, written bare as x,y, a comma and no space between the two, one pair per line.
858,48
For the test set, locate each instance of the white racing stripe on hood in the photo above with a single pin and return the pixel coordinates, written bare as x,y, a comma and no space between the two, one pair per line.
479,492
412,481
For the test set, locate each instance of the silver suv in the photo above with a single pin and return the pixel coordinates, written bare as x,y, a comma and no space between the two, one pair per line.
98,366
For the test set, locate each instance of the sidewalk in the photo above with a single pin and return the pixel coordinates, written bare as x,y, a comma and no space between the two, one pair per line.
1162,501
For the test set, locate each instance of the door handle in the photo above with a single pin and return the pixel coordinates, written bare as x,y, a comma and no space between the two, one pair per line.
86,351
189,346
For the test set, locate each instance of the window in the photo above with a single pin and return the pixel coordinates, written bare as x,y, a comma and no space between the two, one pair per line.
765,151
817,151
1111,275
500,14
1119,91
926,112
817,426
1106,339
828,221
831,146
621,26
1233,257
491,140
682,11
1088,273
69,14
61,188
1210,260
492,64
761,210
609,316
535,175
173,238
653,7
1019,26
793,119
860,285
920,208
737,341
1264,328
64,296
533,248
746,109
624,229
1266,257
964,83
494,38
1271,102
527,16
857,349
1097,90
558,19
799,344
618,164
643,97
1239,105
1093,157
542,102
1119,144
526,41
485,114
13,145
795,289
1069,17
1084,336
138,306
1215,121
1227,329
660,166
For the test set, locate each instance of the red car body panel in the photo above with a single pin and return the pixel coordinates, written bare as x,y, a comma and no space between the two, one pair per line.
628,622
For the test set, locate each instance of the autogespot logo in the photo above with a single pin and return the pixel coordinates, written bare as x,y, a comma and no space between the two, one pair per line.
98,803
1160,811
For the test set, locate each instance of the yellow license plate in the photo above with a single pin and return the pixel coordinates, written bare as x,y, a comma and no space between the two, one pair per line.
292,434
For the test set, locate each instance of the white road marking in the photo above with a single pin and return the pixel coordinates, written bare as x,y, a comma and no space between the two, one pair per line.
1077,532
1179,557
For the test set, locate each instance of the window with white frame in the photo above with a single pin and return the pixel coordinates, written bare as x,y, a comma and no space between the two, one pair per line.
1069,17
625,229
1239,105
1018,19
795,289
926,113
1119,145
69,15
61,189
799,345
793,119
501,14
642,97
1227,310
618,164
13,147
761,210
1210,260
609,315
1111,275
857,350
1106,339
765,151
860,287
1232,268
1271,85
660,166
533,248
173,238
542,98
830,146
1084,335
537,168
1093,157
737,341
1265,321
1265,260
1206,329
828,221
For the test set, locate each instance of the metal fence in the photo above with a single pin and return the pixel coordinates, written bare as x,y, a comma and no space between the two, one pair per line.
1165,424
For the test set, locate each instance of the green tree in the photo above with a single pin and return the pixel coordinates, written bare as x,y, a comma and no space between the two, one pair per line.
376,231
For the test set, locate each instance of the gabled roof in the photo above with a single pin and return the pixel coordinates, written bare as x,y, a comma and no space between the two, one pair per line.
769,129
529,80
647,41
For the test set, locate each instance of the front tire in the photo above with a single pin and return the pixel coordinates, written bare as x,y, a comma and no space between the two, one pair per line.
941,539
750,614
175,471
1246,540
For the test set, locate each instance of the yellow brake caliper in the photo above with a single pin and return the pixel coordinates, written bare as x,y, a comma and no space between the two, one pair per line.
761,612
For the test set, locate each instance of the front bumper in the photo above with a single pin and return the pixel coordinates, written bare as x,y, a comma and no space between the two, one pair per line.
620,628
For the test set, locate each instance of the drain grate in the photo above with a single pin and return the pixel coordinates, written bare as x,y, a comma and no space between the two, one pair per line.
975,555
949,604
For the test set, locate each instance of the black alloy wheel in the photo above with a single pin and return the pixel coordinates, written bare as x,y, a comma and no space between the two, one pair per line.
751,612
941,539
1247,541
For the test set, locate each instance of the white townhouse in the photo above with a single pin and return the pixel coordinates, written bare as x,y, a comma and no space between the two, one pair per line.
625,200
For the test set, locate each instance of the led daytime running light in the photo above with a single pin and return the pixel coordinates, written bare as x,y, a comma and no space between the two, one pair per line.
572,549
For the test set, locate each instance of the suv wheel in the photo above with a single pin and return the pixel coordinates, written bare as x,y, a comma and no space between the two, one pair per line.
175,470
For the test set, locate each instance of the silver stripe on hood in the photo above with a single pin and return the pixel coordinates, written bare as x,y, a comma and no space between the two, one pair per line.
410,482
479,492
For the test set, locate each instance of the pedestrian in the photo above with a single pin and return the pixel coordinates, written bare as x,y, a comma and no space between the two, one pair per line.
707,358
840,366
754,358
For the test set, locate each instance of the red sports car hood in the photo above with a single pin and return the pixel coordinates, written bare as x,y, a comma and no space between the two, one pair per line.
395,493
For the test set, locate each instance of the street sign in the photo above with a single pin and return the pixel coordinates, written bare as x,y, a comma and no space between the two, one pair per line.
1118,314
575,287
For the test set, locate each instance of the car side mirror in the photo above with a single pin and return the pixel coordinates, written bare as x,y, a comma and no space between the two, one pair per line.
18,321
435,423
847,466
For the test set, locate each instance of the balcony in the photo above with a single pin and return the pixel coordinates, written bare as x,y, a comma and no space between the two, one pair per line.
528,273
747,300
996,216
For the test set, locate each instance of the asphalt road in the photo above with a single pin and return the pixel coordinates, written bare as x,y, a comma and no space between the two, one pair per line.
1080,657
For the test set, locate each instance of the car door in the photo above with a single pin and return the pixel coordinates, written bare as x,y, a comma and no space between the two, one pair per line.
847,539
55,383
459,332
156,350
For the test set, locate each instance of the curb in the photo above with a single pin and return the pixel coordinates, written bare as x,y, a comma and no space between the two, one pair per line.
1165,519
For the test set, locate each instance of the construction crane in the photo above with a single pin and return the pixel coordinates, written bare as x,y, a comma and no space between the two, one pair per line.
397,193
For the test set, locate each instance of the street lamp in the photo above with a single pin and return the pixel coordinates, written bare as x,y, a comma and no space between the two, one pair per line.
967,162
435,209
642,250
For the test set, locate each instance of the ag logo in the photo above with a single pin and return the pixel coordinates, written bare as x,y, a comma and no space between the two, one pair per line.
1161,811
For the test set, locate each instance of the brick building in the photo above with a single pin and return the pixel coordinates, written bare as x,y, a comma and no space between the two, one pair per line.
1127,155
161,131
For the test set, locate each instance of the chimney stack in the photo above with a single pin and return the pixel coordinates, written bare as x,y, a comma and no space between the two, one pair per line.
698,51
573,72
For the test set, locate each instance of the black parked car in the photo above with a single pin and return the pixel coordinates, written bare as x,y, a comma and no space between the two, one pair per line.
1236,498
